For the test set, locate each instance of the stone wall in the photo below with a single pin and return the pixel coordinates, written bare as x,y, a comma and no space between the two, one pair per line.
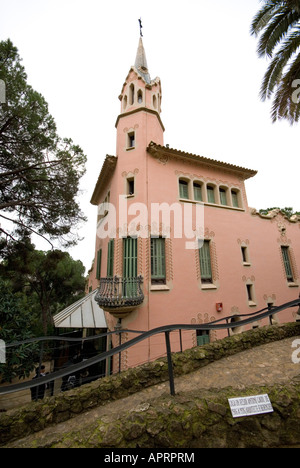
192,420
196,415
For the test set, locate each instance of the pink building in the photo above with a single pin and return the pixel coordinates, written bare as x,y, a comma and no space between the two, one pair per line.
176,240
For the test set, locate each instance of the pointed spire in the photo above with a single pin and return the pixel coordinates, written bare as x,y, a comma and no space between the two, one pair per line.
141,62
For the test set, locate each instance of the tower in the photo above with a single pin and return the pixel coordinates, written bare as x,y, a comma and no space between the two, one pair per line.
139,119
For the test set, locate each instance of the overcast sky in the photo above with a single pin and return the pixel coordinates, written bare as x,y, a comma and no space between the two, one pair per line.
77,55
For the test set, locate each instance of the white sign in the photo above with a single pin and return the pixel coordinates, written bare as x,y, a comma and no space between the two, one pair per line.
250,405
2,92
2,352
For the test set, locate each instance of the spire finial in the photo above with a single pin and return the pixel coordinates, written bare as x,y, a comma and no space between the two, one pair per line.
140,21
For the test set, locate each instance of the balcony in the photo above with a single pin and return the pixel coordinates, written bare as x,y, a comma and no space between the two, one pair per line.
120,296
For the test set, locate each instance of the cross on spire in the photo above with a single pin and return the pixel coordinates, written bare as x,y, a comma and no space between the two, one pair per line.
141,26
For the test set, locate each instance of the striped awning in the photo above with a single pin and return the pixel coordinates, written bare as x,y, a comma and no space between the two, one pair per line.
84,313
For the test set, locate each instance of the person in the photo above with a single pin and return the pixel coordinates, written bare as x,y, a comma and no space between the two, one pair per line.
38,393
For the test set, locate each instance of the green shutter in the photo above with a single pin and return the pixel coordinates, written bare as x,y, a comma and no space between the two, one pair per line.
183,189
287,263
110,258
197,192
158,260
130,257
205,262
202,339
129,266
98,268
210,195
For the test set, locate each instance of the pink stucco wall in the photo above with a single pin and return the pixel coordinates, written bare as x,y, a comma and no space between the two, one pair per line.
184,300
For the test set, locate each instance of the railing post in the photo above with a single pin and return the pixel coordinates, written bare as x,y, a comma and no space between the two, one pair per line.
180,340
228,332
39,368
170,364
118,328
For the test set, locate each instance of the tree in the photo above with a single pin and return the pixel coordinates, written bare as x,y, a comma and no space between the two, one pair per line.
16,321
51,280
278,24
39,171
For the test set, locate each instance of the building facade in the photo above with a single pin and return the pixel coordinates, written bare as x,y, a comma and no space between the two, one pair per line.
176,242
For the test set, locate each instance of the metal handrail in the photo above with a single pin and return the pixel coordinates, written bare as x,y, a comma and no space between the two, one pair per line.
166,329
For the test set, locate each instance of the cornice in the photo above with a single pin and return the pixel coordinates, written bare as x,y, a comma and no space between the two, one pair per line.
141,109
159,151
107,171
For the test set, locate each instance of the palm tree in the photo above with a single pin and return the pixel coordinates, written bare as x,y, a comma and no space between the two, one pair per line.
278,24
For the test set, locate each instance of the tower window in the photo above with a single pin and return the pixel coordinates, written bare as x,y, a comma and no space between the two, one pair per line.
131,89
130,186
131,140
125,102
140,97
154,102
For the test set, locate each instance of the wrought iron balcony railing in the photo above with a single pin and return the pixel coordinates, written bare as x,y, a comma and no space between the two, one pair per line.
120,296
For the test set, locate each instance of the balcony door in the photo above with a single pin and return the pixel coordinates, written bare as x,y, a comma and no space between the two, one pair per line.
129,266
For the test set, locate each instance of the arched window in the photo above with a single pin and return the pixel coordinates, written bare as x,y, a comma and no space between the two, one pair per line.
211,194
124,102
183,189
140,96
235,198
154,101
223,196
131,89
197,191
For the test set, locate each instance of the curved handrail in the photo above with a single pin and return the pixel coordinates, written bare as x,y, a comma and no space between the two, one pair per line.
143,336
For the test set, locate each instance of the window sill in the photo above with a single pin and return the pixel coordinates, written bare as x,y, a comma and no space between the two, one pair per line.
216,205
187,200
208,286
130,148
293,285
226,207
252,304
246,264
159,287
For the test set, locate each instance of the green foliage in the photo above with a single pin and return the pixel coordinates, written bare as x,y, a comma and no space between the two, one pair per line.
50,281
288,211
278,24
39,171
15,325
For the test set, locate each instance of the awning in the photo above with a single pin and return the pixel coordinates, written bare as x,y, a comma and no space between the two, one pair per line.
84,313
